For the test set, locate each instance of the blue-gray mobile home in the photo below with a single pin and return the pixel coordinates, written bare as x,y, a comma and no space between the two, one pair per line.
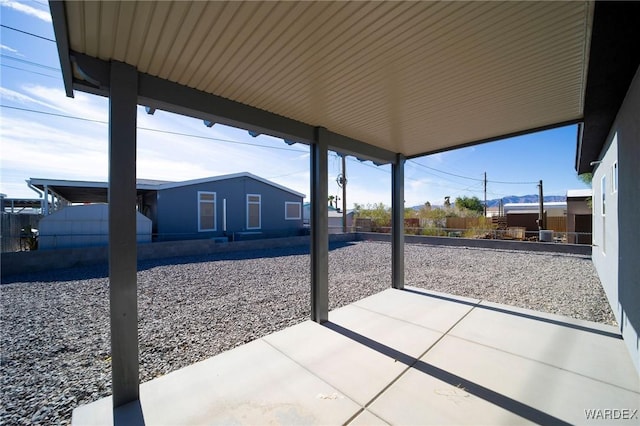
237,206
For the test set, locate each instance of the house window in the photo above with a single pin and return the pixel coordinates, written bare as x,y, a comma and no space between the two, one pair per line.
292,211
614,177
253,211
206,211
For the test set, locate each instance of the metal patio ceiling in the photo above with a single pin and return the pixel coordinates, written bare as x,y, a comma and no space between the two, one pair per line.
409,77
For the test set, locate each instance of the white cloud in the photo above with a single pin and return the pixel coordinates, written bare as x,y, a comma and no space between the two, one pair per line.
10,49
12,95
38,149
26,9
82,105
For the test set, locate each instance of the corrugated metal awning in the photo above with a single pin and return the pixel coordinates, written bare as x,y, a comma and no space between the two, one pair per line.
408,77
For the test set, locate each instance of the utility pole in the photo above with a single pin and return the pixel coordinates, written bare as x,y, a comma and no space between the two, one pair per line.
485,194
541,212
344,193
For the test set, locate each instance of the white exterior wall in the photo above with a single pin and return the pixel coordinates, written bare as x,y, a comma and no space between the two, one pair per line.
616,235
83,226
605,227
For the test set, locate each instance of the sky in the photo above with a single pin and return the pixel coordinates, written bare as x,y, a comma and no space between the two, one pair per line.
44,134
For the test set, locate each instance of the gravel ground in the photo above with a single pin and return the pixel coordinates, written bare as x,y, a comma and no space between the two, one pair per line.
54,326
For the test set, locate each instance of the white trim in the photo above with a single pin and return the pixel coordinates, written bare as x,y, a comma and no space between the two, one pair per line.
603,198
614,177
215,216
159,185
286,210
225,177
259,203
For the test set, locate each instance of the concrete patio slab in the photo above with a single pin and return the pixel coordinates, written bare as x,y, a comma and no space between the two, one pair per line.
402,357
434,313
352,368
251,384
581,347
534,390
366,418
385,330
419,398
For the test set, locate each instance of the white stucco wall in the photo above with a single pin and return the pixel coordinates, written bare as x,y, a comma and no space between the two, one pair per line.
83,226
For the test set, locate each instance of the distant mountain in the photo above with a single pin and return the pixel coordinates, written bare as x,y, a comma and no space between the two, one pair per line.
532,198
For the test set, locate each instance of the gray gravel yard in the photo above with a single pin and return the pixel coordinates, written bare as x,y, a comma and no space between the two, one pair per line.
55,326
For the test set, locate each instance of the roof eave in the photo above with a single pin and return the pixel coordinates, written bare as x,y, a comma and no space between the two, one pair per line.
59,18
502,137
613,61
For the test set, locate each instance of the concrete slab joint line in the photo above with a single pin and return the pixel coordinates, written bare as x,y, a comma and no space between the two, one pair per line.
516,407
408,360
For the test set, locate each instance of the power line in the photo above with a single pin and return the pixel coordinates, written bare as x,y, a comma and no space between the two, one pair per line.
513,183
153,130
472,178
32,72
24,61
26,32
289,174
53,114
446,173
219,140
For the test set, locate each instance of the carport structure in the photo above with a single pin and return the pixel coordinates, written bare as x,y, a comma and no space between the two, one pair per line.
382,81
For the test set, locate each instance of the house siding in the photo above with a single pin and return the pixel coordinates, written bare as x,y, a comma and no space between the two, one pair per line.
177,211
616,234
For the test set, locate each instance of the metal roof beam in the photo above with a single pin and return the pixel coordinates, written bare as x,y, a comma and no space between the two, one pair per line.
356,148
59,18
158,93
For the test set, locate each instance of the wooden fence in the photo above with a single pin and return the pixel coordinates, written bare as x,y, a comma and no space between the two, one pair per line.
557,223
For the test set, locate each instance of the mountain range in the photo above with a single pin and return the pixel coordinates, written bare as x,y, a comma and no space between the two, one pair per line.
532,198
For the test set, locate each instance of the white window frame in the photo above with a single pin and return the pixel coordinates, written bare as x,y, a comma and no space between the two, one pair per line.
286,210
259,203
614,177
215,216
603,199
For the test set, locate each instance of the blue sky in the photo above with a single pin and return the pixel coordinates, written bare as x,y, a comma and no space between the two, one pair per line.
68,139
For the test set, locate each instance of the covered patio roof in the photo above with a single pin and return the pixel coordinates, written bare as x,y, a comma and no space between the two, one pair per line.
382,81
408,77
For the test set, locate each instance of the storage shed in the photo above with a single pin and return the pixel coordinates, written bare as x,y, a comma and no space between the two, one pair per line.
83,226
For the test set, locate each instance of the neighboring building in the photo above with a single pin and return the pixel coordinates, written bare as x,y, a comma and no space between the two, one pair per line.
237,206
334,219
83,226
525,215
579,216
